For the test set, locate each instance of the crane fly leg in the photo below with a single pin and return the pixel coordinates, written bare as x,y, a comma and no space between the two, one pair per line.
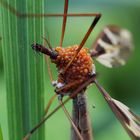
74,94
66,87
96,19
70,120
31,15
49,104
41,122
64,22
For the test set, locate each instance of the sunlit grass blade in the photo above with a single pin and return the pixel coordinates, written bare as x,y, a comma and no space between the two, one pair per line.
23,68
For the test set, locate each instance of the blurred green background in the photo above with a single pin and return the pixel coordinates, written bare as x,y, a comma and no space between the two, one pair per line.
122,83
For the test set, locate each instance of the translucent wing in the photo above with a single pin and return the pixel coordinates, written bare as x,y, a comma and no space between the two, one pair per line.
129,120
113,46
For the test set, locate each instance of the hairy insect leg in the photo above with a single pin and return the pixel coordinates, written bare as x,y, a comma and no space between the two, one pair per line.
96,19
64,22
127,118
70,119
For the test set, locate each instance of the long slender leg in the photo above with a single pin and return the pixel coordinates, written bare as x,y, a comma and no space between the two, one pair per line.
49,69
91,80
84,40
66,87
50,76
10,8
49,104
127,118
37,126
32,15
64,22
50,101
70,119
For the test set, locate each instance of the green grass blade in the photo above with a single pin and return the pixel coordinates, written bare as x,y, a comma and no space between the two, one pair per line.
23,68
1,137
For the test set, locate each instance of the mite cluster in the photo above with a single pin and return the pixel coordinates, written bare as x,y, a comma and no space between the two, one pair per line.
80,69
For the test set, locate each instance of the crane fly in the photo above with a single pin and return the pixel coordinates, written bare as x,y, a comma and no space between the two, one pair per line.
76,68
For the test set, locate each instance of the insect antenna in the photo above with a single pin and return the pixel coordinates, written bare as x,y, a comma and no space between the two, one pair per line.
83,40
47,42
64,21
31,15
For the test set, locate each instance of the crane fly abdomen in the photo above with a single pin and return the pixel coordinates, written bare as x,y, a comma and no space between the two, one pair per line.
80,69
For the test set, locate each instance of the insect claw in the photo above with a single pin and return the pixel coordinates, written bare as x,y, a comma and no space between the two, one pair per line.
60,96
54,83
93,75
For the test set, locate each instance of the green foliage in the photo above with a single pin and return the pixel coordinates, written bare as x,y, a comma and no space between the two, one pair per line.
23,70
1,137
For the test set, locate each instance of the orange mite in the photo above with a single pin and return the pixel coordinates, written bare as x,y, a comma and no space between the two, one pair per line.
80,69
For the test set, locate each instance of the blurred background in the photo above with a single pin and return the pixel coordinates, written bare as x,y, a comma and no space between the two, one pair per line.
122,83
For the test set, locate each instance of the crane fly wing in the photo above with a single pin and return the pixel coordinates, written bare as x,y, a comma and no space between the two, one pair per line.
130,121
113,46
127,118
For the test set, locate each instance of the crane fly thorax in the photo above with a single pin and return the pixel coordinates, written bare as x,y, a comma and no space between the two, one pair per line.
80,68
